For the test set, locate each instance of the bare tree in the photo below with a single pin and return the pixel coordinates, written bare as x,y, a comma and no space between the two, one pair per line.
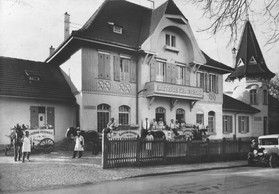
230,14
274,86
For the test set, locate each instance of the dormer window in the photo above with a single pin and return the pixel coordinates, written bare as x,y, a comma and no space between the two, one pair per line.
33,75
117,29
253,60
240,63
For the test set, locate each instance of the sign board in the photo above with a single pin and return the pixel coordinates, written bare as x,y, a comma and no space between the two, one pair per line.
37,135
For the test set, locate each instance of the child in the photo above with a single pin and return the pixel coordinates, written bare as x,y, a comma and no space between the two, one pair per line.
26,146
79,140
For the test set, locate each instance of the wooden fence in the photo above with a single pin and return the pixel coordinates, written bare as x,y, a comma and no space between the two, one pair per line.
133,152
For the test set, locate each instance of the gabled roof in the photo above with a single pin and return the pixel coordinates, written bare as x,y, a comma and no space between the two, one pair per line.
217,66
233,105
31,79
250,53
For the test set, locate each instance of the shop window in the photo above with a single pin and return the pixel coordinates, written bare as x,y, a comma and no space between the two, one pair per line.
211,121
253,96
124,115
41,117
265,97
243,124
227,124
160,113
200,118
103,65
180,115
103,116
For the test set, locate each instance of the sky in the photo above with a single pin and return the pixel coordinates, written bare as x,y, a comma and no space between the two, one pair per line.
29,27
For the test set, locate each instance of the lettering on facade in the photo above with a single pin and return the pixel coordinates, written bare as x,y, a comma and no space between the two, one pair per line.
169,90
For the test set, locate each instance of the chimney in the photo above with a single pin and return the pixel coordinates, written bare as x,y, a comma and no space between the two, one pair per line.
51,50
66,25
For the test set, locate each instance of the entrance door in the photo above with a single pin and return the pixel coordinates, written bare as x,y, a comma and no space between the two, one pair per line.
103,114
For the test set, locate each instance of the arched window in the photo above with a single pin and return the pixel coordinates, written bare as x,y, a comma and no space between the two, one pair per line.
103,114
265,97
180,115
253,96
211,121
160,113
124,115
199,117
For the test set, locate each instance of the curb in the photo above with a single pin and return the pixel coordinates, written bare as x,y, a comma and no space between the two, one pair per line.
187,171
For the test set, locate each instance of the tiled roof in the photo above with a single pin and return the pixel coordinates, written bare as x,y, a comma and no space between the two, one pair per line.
233,105
15,80
249,49
219,67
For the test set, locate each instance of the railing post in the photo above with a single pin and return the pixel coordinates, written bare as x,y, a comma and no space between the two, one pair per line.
138,151
104,151
165,151
224,149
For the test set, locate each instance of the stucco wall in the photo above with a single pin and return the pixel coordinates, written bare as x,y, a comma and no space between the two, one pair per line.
15,110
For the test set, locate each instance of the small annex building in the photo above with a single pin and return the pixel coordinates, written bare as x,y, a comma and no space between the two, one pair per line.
34,94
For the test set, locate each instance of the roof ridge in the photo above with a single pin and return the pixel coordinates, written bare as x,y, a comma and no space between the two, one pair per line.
27,60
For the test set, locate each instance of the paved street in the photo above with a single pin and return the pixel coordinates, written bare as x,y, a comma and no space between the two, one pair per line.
58,170
256,180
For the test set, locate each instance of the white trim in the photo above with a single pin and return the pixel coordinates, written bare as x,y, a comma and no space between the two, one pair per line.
124,56
104,52
161,60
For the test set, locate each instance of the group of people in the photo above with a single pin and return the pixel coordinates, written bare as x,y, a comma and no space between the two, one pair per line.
160,125
22,144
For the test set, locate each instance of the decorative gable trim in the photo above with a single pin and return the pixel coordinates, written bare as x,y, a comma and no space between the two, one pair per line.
177,18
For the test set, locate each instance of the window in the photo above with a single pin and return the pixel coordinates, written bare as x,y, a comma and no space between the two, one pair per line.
202,80
243,124
103,65
253,96
227,124
199,118
124,115
170,40
213,83
160,71
180,115
117,29
211,121
265,97
160,113
33,75
103,114
180,74
41,117
125,69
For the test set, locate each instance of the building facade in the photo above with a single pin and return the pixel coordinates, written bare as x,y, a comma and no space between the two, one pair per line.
131,62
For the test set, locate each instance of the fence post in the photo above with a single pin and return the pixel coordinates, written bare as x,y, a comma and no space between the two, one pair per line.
138,151
207,151
224,144
239,149
165,151
187,151
104,151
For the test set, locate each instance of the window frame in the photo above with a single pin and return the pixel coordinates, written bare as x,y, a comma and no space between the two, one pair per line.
227,124
170,40
243,124
253,96
211,118
159,70
124,115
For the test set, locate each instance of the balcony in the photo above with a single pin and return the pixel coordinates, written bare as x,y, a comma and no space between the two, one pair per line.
161,89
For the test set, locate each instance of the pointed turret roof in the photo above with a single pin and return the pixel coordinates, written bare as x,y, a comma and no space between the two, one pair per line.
250,62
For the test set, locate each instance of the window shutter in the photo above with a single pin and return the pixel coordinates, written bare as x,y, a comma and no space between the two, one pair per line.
127,64
206,82
34,123
153,65
187,76
133,68
174,73
168,73
116,65
101,65
217,85
239,124
230,124
50,116
224,128
247,124
107,66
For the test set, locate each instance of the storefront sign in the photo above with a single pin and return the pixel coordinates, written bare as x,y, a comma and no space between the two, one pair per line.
172,90
37,135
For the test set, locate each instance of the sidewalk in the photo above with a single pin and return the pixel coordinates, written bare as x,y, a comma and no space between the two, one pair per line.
59,170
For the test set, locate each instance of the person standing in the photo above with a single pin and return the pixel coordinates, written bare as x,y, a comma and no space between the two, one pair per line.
79,145
148,145
16,138
26,147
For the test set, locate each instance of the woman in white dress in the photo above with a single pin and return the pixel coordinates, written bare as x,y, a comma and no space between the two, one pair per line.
26,146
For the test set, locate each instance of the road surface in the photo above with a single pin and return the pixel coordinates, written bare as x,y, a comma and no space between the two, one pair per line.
256,180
